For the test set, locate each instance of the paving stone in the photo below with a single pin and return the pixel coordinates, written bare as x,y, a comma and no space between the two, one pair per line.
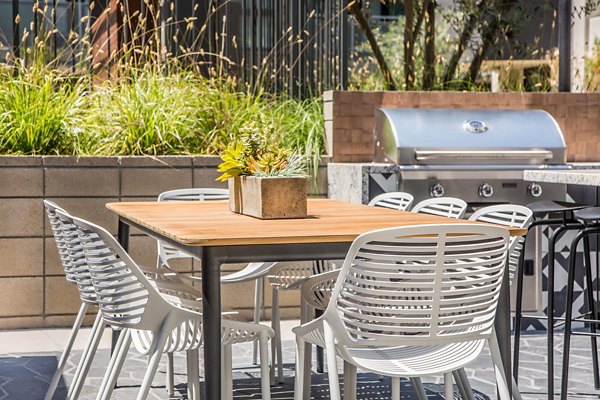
26,376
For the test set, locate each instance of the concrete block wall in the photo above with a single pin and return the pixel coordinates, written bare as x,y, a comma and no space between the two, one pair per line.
33,290
349,117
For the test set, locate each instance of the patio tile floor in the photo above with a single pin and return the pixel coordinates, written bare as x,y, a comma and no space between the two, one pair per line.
24,375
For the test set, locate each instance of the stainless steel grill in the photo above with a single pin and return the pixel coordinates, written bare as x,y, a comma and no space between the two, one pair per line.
476,155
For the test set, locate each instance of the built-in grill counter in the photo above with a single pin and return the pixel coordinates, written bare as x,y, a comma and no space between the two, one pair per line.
476,155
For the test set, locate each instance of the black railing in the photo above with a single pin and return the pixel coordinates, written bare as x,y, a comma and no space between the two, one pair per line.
294,46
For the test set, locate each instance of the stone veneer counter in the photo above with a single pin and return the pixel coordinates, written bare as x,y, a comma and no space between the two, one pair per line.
587,176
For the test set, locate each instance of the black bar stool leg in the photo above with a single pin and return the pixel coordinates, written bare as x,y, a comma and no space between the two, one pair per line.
589,289
568,316
550,310
518,315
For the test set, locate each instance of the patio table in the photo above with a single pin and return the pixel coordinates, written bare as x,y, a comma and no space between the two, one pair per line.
211,233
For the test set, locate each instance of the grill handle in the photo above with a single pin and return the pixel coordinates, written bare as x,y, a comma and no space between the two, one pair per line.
422,155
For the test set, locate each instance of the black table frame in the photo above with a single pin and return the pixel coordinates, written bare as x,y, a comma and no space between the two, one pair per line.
213,257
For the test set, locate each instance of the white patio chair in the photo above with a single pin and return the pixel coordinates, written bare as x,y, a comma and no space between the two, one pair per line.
395,200
283,277
75,272
252,272
157,316
292,276
509,215
450,207
406,296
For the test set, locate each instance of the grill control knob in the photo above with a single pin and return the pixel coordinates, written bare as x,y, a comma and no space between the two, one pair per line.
534,189
486,190
436,190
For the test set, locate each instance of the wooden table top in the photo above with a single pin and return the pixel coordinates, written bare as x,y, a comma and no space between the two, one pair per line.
210,223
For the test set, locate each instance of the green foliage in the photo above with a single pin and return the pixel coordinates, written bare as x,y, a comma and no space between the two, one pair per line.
43,111
256,154
40,111
144,114
592,69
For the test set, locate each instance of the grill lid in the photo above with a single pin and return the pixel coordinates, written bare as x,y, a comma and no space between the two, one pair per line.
453,137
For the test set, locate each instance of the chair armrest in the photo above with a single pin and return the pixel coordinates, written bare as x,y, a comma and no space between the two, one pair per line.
317,289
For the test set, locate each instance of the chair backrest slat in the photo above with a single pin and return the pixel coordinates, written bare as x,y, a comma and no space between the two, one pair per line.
124,293
449,292
70,252
512,215
449,207
395,200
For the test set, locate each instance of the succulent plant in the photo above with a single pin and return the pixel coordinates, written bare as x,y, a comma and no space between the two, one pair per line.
255,155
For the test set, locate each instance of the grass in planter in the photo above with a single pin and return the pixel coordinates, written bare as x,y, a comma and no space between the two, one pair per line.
143,113
40,111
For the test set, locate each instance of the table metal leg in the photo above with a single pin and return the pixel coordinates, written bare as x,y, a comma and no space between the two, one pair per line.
211,319
123,237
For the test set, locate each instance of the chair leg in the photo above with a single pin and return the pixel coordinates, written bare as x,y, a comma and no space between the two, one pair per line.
501,382
277,362
462,381
334,384
265,381
170,375
569,316
258,295
395,389
349,381
448,389
591,308
86,363
65,354
228,372
193,375
115,365
516,395
84,354
300,367
418,388
319,349
307,370
157,348
223,373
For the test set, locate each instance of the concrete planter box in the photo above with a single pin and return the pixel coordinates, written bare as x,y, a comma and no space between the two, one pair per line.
33,290
268,198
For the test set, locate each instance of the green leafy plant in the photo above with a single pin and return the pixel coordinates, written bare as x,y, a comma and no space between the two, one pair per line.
255,155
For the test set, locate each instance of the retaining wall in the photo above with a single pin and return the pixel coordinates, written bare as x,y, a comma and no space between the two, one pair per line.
33,290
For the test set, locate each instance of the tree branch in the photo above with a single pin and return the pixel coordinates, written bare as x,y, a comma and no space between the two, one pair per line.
409,61
356,10
429,55
464,39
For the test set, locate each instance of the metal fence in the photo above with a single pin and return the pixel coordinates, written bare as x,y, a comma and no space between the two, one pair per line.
295,46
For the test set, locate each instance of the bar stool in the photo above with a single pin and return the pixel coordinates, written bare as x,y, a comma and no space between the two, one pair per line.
563,224
591,219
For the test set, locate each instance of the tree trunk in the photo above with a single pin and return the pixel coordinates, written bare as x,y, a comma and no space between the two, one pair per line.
429,67
409,43
464,39
363,24
490,36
